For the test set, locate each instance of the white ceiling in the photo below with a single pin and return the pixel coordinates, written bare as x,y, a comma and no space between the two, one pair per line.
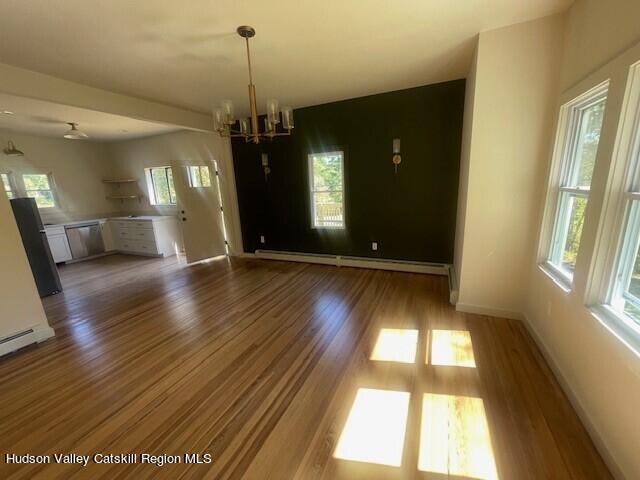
306,52
49,119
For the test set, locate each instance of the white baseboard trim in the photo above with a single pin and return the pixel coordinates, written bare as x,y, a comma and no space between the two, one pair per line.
43,332
575,402
18,340
358,262
453,296
490,311
453,285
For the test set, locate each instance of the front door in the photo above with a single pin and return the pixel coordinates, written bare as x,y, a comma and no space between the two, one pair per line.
199,210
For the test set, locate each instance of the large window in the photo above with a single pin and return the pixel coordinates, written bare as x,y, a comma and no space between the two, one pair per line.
623,289
326,182
38,186
8,185
579,128
160,185
625,295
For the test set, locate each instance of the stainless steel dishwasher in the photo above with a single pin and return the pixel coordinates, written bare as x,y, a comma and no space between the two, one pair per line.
85,239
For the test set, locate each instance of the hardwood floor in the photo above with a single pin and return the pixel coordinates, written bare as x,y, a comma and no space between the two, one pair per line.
259,364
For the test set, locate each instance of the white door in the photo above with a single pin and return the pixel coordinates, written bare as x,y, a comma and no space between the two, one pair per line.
199,210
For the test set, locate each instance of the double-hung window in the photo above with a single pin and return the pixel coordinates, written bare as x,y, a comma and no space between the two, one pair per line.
579,127
7,183
160,186
326,182
625,293
623,289
39,186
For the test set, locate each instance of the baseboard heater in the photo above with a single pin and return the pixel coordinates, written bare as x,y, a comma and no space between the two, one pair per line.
359,262
17,341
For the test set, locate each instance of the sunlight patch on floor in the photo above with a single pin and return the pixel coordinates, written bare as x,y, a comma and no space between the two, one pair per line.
452,348
454,437
375,429
396,345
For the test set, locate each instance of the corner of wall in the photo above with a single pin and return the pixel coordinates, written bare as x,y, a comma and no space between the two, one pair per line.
463,185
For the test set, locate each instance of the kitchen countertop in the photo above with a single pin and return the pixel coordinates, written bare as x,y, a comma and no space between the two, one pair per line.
102,220
144,217
76,222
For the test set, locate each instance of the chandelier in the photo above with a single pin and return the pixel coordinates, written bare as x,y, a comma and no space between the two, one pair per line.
224,120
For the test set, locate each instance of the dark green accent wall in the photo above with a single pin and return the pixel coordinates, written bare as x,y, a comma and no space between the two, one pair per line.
411,214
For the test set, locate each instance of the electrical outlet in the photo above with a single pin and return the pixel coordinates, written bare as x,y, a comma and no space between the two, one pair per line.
374,246
262,239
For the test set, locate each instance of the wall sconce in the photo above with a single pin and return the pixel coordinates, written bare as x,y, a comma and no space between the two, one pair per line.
265,165
396,154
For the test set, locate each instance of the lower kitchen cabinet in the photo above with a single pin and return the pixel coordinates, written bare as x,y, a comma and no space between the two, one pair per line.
58,244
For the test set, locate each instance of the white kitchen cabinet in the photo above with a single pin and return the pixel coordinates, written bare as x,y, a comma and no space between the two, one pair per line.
106,229
58,244
152,235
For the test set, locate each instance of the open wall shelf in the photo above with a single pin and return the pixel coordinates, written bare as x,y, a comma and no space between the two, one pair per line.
120,190
119,180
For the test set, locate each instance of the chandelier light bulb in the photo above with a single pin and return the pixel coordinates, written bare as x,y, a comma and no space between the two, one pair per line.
227,111
224,119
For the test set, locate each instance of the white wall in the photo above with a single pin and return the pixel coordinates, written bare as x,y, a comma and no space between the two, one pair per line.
78,168
20,306
504,153
596,32
601,375
183,148
463,183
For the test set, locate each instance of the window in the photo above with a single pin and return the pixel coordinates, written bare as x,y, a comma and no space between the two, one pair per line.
199,176
326,181
38,186
580,124
160,184
623,289
625,295
8,185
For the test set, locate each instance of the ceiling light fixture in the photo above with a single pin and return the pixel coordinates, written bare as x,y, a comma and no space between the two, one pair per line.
12,151
224,121
73,133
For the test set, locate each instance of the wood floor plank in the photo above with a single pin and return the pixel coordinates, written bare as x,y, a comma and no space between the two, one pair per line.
258,363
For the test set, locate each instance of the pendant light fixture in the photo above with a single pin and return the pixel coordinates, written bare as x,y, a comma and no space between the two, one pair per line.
225,123
74,134
12,151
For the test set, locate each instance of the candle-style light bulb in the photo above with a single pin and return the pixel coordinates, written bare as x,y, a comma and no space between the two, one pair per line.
287,118
272,111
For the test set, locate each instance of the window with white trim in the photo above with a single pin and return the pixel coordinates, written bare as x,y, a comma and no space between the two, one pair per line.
7,182
623,294
162,191
579,127
40,187
326,185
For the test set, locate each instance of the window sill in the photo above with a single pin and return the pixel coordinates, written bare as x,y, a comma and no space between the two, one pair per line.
328,228
561,280
620,326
